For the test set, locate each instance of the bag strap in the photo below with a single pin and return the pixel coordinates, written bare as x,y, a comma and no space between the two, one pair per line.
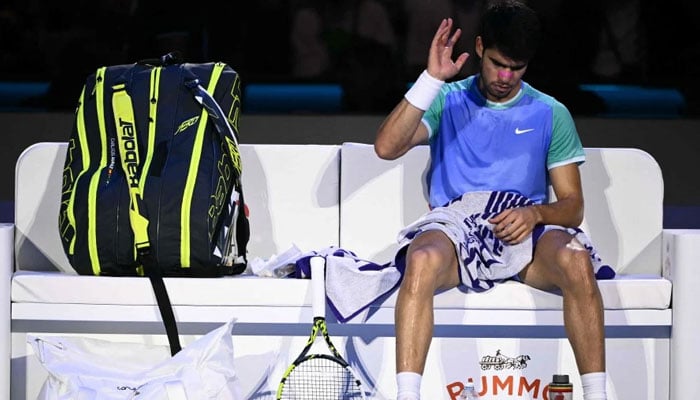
131,165
216,114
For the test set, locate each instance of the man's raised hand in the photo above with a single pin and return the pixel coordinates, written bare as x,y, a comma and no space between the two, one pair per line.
440,63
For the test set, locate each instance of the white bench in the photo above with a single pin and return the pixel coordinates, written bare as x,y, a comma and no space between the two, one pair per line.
316,196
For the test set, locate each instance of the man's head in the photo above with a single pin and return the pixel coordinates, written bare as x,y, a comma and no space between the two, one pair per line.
507,40
511,27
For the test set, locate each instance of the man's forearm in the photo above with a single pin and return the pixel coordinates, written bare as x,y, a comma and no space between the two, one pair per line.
396,134
564,212
400,131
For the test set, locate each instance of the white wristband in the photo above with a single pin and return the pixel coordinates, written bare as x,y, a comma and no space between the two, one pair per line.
424,91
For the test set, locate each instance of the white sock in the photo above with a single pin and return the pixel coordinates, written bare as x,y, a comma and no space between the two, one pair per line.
408,384
594,386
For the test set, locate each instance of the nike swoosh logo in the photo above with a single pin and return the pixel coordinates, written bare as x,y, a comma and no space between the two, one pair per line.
521,131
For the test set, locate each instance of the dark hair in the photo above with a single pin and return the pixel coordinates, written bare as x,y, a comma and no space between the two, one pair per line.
511,27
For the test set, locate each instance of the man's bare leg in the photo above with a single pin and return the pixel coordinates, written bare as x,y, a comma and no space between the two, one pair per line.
560,261
431,265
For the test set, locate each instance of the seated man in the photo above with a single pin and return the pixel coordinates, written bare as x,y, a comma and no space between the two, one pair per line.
492,132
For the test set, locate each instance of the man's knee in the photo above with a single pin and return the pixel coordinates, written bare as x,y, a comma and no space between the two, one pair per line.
430,249
421,270
429,263
575,265
421,259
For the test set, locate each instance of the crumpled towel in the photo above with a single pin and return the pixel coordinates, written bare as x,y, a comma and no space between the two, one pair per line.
484,259
352,284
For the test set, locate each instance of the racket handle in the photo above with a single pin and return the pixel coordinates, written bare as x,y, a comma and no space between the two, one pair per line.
318,286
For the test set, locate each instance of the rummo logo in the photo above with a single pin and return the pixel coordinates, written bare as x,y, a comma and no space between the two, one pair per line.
507,380
504,387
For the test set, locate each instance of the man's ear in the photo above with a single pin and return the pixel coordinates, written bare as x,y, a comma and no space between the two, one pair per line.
479,47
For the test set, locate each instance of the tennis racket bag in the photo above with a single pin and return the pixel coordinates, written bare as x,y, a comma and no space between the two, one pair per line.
153,172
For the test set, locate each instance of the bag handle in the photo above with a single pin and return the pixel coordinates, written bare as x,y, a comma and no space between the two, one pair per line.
216,114
172,58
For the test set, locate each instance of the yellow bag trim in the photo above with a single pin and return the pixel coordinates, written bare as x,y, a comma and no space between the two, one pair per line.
125,125
85,154
192,173
152,120
95,179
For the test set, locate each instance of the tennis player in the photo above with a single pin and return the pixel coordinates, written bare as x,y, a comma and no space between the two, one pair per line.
493,132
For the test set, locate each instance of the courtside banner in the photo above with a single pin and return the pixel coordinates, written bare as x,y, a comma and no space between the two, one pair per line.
637,368
515,369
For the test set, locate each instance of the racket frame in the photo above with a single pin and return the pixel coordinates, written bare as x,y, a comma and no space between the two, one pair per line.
318,303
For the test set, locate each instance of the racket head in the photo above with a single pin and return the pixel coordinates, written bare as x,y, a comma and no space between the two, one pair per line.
319,377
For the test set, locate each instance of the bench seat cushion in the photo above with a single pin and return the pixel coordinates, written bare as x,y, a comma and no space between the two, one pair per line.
623,292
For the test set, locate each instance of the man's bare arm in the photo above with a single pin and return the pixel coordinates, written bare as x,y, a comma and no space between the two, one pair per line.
513,225
402,129
567,210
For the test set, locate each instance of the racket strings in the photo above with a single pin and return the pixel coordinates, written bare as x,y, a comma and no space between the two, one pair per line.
320,378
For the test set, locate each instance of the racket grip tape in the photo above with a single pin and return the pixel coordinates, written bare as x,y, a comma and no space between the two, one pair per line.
318,286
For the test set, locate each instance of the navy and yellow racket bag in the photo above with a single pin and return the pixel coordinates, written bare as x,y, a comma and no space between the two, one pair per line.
153,172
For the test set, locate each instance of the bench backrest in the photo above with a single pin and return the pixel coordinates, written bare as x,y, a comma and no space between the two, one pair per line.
623,194
291,191
305,195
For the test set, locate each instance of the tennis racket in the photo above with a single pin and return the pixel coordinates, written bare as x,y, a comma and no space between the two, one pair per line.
316,375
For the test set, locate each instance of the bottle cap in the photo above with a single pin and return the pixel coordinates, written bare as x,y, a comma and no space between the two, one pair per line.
560,379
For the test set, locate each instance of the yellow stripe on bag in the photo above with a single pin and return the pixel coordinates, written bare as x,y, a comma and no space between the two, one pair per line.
152,115
85,157
192,173
124,122
95,179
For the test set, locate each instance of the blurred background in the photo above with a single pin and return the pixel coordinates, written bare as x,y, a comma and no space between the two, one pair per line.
350,42
327,71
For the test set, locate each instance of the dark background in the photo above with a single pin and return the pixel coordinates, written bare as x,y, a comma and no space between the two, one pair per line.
649,43
627,70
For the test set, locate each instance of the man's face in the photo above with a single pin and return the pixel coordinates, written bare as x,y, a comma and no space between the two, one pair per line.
500,75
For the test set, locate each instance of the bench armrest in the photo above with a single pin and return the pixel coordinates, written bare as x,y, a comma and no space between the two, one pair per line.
681,259
6,269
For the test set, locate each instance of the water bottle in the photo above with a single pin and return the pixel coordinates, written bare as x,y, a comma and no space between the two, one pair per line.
469,392
560,388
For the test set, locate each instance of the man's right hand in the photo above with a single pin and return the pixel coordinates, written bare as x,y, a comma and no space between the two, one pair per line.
440,64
